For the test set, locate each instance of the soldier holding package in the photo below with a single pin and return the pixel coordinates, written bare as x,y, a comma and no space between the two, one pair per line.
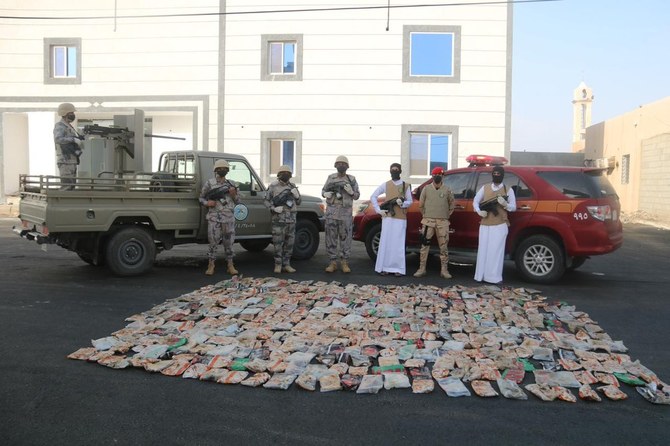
437,204
68,146
340,191
220,196
283,198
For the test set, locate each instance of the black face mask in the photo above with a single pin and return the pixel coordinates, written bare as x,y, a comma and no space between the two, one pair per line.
497,179
70,117
437,179
222,172
395,175
342,169
284,177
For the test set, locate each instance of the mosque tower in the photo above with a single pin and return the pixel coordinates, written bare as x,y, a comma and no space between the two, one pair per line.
582,103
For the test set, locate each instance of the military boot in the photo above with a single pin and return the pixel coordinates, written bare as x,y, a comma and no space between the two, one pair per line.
444,271
345,266
231,268
289,269
210,268
277,268
332,267
423,259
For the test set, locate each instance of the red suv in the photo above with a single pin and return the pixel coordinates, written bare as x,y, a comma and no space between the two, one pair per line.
563,216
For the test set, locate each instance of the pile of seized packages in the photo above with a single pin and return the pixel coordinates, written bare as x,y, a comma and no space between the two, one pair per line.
273,333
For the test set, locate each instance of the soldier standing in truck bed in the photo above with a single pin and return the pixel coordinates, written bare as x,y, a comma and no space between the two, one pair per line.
68,146
283,198
220,217
340,191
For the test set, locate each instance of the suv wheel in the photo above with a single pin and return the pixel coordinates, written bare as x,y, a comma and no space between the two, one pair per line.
130,251
540,259
306,239
372,241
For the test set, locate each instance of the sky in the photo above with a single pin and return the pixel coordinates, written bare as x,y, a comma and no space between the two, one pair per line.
619,48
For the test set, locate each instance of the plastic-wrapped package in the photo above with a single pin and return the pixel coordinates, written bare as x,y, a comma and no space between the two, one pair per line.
543,354
542,392
588,394
330,382
213,374
388,360
655,394
564,394
562,379
423,385
351,382
340,368
83,353
280,381
511,389
396,381
358,371
256,379
613,392
233,377
483,389
370,384
194,371
415,363
453,387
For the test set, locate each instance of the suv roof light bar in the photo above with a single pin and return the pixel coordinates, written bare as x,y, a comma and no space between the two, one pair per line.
485,160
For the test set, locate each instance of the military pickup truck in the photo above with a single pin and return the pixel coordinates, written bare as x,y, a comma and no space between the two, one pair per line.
123,220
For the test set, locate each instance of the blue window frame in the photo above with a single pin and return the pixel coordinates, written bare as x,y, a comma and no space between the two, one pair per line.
281,152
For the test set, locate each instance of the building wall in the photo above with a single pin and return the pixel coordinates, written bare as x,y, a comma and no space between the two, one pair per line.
206,70
654,179
624,135
352,99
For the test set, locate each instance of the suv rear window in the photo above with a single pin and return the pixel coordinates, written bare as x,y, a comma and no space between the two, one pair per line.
578,184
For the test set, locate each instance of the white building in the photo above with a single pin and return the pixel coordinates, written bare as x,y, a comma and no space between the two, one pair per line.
424,85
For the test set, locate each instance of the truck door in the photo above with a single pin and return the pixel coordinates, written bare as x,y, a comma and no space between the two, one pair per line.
463,223
252,218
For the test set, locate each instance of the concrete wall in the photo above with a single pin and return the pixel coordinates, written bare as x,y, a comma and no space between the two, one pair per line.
15,138
654,178
624,135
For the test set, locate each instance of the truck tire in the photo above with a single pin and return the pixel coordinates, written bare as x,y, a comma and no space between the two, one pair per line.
372,241
306,239
162,182
255,245
540,259
130,252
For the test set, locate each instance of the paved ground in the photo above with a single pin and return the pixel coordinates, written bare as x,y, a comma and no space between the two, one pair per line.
51,303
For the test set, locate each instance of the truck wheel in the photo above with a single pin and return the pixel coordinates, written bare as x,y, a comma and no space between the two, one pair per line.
130,251
254,245
540,259
306,239
161,182
372,241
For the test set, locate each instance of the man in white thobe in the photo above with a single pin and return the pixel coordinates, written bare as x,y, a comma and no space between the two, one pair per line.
391,252
493,227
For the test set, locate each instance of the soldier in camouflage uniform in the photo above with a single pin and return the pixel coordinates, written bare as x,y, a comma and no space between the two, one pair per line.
437,205
283,198
220,217
68,146
340,191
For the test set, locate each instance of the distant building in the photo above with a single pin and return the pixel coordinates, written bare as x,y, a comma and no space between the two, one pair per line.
635,147
582,108
524,158
279,88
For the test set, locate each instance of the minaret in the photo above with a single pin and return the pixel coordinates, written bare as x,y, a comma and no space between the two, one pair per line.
582,102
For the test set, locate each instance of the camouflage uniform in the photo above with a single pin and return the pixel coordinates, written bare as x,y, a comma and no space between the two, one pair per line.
339,215
220,219
283,224
64,138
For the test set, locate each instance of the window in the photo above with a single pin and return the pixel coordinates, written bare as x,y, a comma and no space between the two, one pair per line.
427,151
424,147
431,54
281,57
458,184
590,184
511,181
279,148
625,169
62,61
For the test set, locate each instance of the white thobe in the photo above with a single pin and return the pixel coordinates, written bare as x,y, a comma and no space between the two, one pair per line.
491,249
391,252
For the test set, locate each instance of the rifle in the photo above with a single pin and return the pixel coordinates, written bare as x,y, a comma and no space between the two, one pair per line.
491,205
284,198
389,206
219,192
338,187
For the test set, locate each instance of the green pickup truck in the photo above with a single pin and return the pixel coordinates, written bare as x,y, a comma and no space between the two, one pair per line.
123,220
